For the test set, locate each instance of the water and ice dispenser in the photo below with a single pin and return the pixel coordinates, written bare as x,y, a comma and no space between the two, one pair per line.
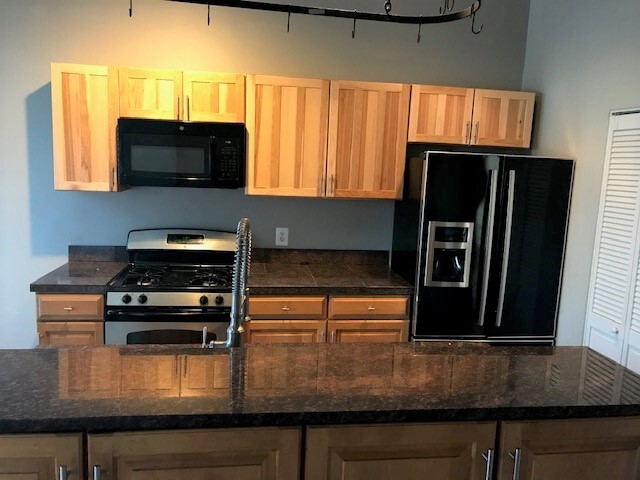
448,254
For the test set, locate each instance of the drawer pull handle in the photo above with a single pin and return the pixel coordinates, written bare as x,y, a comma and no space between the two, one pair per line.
333,336
68,309
97,471
62,472
285,309
371,308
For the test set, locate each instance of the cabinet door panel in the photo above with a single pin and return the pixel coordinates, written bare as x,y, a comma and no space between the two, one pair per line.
571,449
440,114
287,135
230,454
84,110
409,452
502,118
150,93
204,375
38,457
213,97
149,376
71,333
285,331
367,139
368,331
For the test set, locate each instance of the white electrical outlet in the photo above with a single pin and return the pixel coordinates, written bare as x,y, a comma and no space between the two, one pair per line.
282,236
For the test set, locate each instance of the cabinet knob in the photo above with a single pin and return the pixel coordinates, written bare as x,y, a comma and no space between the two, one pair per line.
68,309
615,330
371,308
285,309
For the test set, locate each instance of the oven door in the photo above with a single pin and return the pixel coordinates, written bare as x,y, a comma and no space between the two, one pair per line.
163,326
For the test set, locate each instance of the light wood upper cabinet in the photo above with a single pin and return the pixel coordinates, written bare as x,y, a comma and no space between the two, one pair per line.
367,139
502,118
39,457
150,93
85,112
440,114
238,454
590,449
466,116
409,452
213,97
287,122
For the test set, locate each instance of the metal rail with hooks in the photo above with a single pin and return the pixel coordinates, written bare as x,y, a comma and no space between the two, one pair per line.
354,15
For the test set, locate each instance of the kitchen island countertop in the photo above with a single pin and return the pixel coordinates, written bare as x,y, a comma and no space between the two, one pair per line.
166,387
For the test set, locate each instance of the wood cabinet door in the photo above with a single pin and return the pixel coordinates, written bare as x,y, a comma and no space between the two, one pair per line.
229,454
368,331
59,306
71,333
502,118
85,373
84,100
149,376
213,97
150,93
590,449
367,139
451,451
40,457
440,114
287,122
205,375
285,331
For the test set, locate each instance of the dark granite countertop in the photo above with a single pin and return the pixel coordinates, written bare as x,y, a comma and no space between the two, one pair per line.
273,272
78,277
164,387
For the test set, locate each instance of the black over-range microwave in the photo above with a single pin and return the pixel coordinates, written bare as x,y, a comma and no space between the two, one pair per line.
180,154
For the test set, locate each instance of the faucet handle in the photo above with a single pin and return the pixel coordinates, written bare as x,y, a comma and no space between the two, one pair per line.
204,337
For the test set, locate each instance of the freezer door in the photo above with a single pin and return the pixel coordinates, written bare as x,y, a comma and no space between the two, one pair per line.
460,196
535,194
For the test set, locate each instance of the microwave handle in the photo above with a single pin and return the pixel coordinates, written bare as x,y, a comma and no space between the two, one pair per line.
212,149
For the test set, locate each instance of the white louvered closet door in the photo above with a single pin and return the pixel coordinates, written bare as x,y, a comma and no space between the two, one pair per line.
615,277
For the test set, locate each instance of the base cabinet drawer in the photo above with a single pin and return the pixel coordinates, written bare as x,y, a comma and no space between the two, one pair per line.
238,454
70,307
288,307
71,333
285,331
369,307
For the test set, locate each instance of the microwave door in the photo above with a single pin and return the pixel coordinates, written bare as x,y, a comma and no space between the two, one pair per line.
459,204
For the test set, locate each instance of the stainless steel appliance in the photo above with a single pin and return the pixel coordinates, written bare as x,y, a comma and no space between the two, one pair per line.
482,239
177,282
180,154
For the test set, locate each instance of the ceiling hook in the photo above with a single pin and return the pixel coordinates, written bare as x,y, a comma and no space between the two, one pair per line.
419,29
289,18
353,32
208,14
387,6
447,6
473,22
130,8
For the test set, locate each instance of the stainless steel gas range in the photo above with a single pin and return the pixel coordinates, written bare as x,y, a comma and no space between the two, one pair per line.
177,283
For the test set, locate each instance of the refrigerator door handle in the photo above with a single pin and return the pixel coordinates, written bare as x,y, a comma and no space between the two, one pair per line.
488,243
507,245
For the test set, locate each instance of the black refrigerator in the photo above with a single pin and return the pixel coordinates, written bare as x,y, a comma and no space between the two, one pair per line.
482,239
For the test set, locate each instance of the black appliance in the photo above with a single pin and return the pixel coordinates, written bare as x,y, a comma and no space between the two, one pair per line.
482,238
180,154
176,288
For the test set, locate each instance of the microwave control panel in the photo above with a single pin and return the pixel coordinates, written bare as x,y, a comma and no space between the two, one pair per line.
228,159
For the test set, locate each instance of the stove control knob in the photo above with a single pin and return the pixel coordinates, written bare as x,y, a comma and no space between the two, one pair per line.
142,298
126,298
219,300
204,300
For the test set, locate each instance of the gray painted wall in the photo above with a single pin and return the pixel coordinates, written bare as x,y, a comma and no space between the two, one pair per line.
38,223
583,57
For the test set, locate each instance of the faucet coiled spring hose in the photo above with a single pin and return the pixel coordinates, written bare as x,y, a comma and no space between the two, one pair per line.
239,292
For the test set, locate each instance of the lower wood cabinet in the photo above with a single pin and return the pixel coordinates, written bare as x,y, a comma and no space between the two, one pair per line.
368,331
285,331
41,457
70,319
451,451
225,454
592,449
